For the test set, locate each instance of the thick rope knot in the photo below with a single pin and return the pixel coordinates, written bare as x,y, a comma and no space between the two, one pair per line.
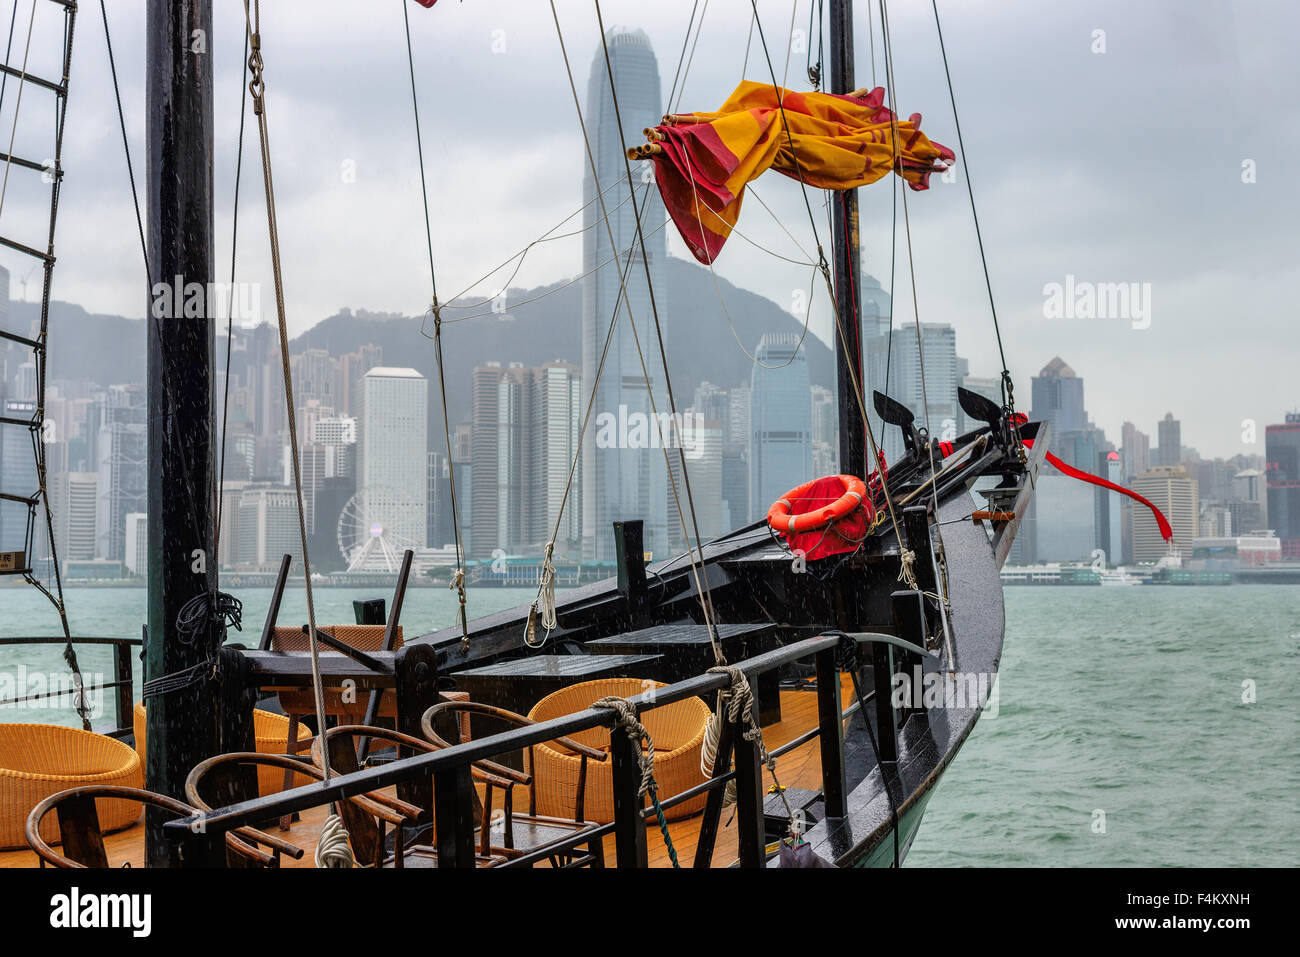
458,583
907,559
739,701
545,599
333,850
632,726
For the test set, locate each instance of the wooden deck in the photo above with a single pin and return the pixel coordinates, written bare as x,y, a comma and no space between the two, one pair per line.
799,768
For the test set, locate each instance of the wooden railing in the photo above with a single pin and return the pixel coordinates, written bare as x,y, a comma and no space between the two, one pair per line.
198,835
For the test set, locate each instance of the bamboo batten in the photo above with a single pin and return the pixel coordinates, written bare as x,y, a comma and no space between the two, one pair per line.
645,151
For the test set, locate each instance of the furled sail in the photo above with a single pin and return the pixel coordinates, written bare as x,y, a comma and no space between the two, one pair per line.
703,160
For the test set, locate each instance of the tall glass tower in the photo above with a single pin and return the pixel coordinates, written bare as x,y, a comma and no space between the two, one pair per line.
621,478
780,455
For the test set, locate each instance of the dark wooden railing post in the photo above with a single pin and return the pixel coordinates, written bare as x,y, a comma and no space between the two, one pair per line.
713,806
752,837
454,813
831,734
125,696
415,673
629,549
882,675
629,825
911,622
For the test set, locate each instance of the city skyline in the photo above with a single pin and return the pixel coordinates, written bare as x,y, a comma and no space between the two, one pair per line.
1055,211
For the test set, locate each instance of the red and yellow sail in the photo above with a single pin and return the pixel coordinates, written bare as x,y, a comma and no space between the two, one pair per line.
704,160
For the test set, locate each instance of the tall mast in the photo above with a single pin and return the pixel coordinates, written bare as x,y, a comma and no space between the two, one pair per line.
182,724
848,295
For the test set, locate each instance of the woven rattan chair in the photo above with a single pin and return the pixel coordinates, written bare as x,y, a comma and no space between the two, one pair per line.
532,831
343,741
678,733
270,731
39,760
78,825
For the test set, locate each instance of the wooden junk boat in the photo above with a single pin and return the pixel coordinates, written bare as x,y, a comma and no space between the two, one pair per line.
849,591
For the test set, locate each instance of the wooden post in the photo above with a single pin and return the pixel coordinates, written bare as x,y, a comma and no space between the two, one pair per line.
455,817
752,836
415,668
831,734
629,825
629,549
125,690
182,724
713,806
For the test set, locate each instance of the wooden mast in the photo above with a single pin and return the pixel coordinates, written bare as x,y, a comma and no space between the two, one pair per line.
182,724
848,290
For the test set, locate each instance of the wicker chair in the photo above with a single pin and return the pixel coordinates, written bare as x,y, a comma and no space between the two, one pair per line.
342,742
79,827
270,730
677,730
40,760
523,833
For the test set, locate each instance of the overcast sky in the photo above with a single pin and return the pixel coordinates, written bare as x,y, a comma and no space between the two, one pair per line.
1117,166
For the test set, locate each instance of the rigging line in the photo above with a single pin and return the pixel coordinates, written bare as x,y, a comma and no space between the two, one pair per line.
586,419
744,67
893,254
871,46
718,289
166,373
230,318
830,286
545,237
701,586
556,289
41,359
257,88
816,9
681,57
916,315
789,44
22,82
749,188
970,190
4,78
459,581
706,596
691,59
780,101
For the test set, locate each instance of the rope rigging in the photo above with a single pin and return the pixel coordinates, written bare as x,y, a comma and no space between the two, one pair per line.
39,346
333,855
458,580
701,582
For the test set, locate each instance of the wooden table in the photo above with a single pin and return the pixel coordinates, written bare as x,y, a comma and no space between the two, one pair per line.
687,652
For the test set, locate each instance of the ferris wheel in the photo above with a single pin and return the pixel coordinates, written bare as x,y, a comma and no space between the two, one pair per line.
375,527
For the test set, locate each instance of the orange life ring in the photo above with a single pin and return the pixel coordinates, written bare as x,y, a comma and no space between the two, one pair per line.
779,517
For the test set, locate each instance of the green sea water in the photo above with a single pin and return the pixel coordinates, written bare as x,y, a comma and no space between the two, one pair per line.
1135,726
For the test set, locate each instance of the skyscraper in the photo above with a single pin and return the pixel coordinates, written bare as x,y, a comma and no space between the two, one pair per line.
123,476
1135,451
1172,491
1170,436
620,482
780,420
392,454
1056,396
1282,454
934,385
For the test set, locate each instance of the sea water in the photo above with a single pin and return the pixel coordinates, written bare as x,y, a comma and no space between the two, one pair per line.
1135,726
